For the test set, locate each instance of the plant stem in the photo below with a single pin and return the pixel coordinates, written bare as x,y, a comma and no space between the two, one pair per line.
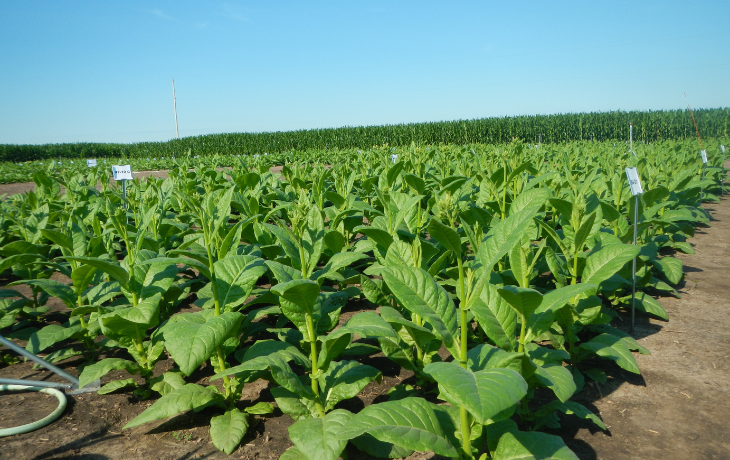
313,357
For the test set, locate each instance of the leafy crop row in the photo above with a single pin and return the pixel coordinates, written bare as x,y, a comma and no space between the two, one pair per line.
495,276
649,127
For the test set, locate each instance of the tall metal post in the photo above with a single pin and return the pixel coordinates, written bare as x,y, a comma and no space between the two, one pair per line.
633,272
174,106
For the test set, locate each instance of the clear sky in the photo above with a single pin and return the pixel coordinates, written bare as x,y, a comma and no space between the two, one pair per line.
100,71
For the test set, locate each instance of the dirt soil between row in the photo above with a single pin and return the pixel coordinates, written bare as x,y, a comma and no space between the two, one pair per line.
677,409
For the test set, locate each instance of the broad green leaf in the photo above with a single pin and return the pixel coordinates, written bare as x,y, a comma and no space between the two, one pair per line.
283,273
332,346
338,261
116,385
379,236
369,325
148,280
302,294
647,304
445,235
671,268
265,354
227,430
167,382
192,343
607,261
190,397
410,423
260,408
570,407
53,288
82,276
557,378
370,445
613,348
532,445
201,267
50,335
236,277
496,318
500,238
524,300
490,394
344,380
110,268
417,291
317,438
584,232
541,320
18,259
101,368
534,198
132,321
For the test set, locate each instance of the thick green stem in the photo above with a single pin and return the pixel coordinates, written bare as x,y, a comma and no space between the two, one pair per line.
465,432
313,357
523,331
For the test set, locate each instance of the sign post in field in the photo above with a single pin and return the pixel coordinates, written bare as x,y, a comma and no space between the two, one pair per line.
123,173
635,184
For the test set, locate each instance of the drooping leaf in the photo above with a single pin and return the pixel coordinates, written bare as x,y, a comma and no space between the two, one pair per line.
524,300
496,317
490,394
190,397
613,348
570,407
101,368
410,423
235,279
604,263
110,268
227,430
445,235
417,291
500,238
50,335
317,438
532,445
192,343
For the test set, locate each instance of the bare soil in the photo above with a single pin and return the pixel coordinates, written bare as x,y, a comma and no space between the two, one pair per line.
677,409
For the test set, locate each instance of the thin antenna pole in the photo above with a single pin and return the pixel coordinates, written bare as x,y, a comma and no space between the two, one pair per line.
694,122
174,106
631,136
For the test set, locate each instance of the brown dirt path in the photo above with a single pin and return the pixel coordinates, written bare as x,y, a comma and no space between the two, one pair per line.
680,407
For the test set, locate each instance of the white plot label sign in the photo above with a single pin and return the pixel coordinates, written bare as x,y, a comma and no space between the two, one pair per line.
703,153
394,157
122,172
634,182
90,163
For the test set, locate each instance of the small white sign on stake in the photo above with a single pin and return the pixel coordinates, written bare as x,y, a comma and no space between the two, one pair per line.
634,181
90,163
703,153
722,147
394,157
122,172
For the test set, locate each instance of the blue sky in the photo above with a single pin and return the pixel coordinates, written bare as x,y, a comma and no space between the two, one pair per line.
96,71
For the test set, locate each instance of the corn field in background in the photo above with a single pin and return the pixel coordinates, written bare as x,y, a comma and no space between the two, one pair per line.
649,127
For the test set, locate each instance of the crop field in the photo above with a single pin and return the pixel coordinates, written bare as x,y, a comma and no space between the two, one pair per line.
497,279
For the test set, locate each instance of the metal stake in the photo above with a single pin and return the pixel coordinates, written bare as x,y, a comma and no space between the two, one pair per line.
74,381
633,273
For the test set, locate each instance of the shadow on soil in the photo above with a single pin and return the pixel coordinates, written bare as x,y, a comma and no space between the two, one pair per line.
88,440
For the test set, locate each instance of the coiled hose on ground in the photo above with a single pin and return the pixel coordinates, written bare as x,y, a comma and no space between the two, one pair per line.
42,422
